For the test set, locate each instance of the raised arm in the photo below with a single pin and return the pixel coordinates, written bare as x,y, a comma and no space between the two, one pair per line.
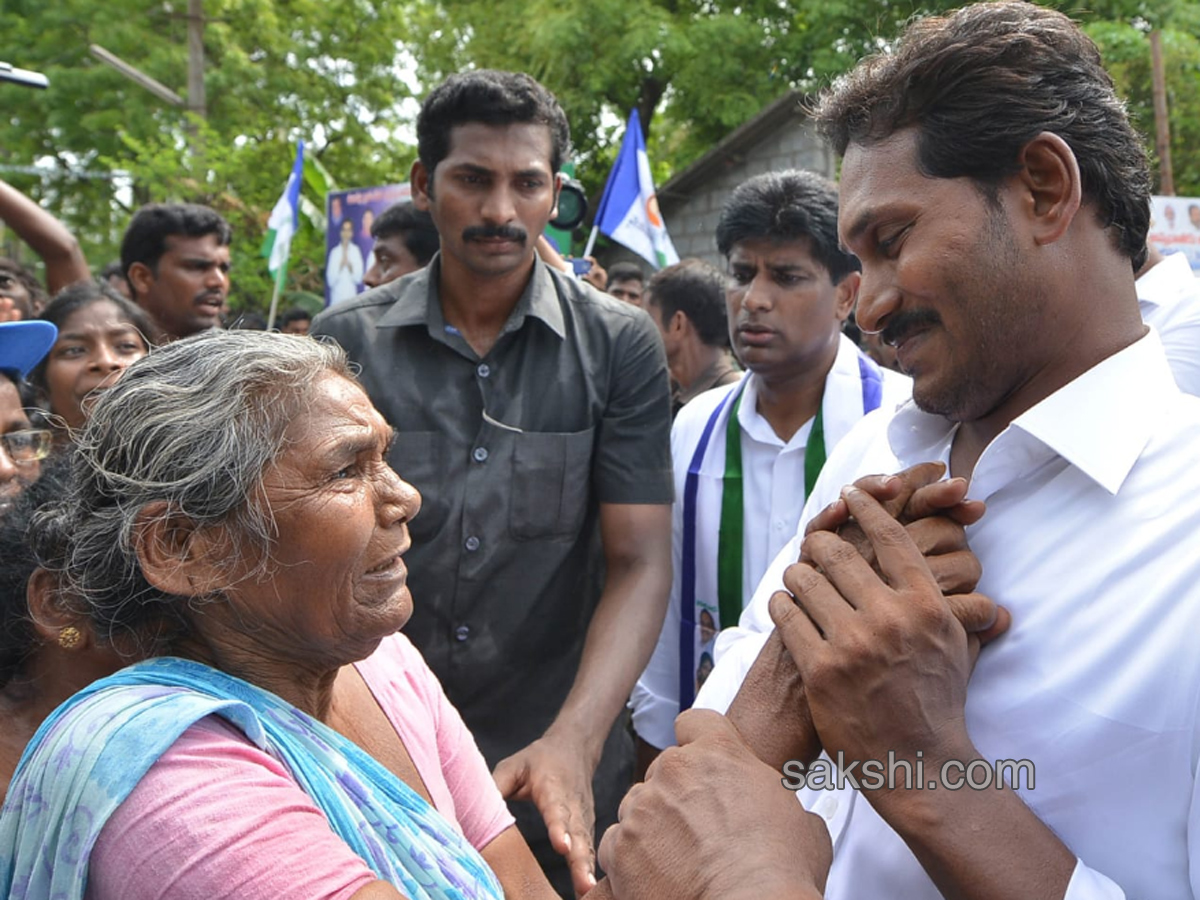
46,236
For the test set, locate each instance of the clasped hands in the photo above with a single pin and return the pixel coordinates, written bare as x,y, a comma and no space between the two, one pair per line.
876,636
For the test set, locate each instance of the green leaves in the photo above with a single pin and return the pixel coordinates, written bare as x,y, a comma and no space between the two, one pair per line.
345,74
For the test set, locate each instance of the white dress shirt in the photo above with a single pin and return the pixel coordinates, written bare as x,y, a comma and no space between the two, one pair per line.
773,497
1091,540
1169,297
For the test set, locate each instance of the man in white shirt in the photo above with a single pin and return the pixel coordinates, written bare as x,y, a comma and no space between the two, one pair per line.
1169,297
746,455
999,201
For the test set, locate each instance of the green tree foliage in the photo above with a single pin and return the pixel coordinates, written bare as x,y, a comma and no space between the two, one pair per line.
276,70
341,74
695,69
1126,54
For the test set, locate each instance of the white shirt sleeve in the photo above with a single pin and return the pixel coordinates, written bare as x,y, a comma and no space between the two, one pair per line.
655,697
1088,884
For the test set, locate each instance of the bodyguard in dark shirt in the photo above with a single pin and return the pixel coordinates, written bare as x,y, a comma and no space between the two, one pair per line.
533,414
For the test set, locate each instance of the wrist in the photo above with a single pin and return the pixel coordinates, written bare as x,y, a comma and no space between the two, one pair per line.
915,810
576,740
767,886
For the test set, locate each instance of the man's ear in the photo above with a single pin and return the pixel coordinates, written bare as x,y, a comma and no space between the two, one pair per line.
141,278
1052,188
419,182
679,322
845,293
176,555
559,180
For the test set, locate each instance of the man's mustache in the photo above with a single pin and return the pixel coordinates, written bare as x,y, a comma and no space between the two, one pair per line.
906,323
495,232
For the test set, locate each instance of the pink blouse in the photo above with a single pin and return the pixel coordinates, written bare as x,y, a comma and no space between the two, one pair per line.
215,816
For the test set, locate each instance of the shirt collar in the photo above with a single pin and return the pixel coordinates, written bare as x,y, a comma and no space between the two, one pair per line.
1099,423
539,299
842,402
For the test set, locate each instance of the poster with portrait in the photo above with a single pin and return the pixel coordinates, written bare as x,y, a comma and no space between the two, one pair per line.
348,241
1175,227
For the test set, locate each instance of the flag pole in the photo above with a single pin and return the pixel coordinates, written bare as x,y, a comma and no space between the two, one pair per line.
591,241
274,301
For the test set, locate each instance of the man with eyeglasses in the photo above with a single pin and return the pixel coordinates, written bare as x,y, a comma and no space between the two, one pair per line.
22,447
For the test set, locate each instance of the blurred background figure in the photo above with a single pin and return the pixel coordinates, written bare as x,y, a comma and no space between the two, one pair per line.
113,276
295,321
687,302
627,281
405,240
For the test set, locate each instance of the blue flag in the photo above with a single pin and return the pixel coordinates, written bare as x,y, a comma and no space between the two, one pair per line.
628,210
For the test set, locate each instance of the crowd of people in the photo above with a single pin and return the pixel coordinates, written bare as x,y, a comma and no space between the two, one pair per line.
499,580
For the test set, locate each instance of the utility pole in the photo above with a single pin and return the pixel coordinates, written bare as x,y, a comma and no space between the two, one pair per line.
195,78
1162,126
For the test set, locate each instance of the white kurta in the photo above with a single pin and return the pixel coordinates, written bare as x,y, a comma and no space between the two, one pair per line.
1090,539
773,497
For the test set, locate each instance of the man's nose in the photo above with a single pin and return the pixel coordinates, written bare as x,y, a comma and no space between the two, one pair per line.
499,207
878,298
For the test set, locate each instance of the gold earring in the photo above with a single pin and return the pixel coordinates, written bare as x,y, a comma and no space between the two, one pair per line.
70,637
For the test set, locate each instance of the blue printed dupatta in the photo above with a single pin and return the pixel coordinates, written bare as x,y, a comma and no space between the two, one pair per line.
88,756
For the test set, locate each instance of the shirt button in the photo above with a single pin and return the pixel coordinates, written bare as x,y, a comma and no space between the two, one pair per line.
826,807
480,454
483,371
462,632
472,543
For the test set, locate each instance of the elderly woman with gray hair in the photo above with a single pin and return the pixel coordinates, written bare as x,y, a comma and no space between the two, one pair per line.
232,514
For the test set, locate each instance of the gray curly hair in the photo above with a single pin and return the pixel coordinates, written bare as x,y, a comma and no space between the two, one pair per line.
194,425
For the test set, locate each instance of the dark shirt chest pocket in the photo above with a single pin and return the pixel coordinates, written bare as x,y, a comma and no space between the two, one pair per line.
417,457
551,484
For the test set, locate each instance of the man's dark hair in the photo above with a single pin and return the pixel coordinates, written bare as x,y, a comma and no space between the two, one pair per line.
414,226
145,239
787,206
696,289
296,314
489,97
625,271
980,84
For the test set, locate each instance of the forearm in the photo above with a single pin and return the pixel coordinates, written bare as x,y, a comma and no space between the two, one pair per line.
46,236
770,710
978,844
620,639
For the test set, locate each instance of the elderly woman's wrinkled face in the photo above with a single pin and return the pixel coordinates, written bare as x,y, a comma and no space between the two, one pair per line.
337,583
